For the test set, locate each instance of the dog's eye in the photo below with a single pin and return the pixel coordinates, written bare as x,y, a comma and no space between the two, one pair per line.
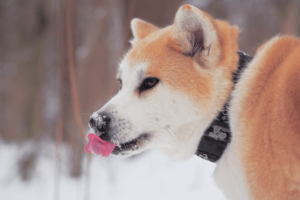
120,83
148,83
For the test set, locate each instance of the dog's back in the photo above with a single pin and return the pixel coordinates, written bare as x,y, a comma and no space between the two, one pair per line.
265,113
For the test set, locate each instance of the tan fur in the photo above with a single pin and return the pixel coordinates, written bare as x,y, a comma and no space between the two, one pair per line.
141,28
270,121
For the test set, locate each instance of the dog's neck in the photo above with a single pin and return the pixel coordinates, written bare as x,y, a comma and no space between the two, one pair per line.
218,135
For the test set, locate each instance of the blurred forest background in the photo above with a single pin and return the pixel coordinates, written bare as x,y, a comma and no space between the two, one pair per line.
36,101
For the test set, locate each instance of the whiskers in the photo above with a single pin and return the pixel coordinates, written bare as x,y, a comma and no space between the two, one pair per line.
170,131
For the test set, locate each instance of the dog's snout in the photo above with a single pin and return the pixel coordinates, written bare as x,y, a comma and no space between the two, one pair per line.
99,122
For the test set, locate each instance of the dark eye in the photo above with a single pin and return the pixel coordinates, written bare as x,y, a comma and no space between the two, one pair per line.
148,83
120,83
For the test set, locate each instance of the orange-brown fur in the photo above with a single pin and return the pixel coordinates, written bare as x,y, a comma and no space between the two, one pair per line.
143,29
164,54
271,122
270,107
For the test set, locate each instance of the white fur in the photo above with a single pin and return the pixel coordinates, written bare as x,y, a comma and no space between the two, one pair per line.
174,122
170,117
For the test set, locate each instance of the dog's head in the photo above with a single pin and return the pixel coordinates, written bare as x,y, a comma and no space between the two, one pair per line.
173,82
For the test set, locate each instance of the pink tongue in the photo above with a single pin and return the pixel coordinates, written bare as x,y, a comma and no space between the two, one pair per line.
98,146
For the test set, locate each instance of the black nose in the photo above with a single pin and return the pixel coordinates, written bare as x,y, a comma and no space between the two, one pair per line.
92,123
100,122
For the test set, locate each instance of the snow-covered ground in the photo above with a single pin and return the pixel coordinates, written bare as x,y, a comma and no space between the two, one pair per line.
149,176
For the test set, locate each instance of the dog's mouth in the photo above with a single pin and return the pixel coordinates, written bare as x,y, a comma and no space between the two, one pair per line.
132,145
99,146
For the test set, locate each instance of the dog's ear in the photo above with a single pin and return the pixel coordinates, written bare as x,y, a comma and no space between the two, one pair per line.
141,29
197,35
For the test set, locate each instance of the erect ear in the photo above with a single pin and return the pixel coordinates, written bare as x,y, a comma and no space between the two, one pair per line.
141,29
196,33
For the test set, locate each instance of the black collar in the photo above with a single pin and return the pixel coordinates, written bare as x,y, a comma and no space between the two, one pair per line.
218,135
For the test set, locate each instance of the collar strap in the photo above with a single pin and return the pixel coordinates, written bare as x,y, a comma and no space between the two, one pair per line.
218,135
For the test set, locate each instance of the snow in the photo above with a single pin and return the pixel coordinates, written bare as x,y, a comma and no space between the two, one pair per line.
148,176
98,118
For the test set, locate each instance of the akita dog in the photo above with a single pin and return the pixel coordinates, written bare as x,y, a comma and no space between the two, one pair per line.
177,91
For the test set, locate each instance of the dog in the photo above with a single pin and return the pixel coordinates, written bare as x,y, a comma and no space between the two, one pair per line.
175,82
